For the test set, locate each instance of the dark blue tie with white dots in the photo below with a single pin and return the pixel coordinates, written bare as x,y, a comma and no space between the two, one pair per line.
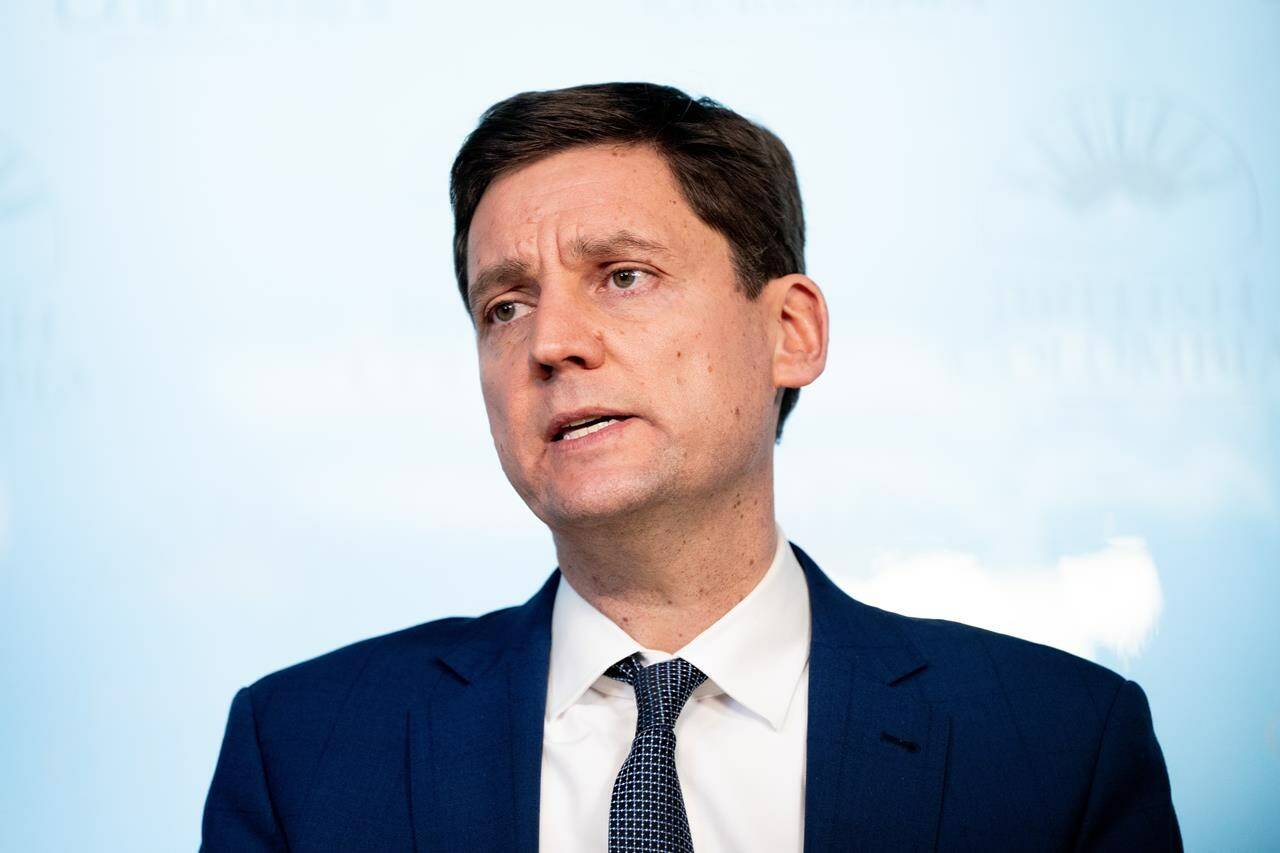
647,810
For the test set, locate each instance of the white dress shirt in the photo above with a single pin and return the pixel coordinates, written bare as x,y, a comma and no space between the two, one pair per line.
740,740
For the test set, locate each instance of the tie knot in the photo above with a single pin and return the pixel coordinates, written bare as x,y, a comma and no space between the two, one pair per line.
662,689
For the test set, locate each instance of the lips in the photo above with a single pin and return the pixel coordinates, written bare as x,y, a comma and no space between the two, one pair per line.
571,426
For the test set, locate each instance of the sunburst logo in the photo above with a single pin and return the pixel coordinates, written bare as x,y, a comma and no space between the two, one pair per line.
1123,230
1126,179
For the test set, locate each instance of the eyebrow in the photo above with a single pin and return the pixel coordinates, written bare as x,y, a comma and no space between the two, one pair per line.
616,243
512,270
492,277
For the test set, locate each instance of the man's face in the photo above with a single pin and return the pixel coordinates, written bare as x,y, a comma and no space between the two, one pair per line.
602,300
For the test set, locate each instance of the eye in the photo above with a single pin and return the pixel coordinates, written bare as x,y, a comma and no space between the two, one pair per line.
505,312
625,279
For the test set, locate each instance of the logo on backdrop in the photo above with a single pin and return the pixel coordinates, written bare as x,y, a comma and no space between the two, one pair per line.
1127,229
92,16
20,190
34,365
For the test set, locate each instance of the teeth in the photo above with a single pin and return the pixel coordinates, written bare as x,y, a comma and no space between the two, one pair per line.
585,431
578,423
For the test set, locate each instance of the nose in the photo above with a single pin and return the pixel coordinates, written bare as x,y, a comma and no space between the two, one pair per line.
565,336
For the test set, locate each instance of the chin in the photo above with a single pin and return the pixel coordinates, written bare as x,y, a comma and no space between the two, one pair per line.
597,502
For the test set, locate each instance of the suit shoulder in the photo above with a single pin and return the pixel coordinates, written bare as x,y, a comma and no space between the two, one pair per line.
386,657
977,659
960,660
424,637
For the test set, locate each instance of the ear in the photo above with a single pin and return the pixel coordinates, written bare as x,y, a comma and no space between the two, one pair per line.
800,344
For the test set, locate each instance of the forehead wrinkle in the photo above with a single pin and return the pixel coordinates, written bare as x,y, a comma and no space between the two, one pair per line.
544,210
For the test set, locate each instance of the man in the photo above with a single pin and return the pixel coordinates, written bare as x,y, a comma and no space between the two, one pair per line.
632,261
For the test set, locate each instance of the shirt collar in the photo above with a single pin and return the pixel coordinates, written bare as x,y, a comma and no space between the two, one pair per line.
755,653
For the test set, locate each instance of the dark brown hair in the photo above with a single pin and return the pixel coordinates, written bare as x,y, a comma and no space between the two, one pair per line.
737,176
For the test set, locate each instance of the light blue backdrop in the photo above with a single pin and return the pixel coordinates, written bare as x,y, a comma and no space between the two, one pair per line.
239,415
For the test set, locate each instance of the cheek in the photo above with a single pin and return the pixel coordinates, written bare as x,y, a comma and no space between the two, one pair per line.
743,383
735,360
497,404
720,377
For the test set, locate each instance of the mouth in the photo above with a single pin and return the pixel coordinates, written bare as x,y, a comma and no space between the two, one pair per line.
580,427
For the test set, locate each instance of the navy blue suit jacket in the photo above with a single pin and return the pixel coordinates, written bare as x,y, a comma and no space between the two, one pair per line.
923,735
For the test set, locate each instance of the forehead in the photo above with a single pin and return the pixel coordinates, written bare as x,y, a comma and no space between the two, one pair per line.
581,194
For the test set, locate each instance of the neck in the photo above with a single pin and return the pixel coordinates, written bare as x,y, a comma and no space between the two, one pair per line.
666,575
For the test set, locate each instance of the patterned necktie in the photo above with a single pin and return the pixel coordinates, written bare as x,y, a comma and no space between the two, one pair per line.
647,810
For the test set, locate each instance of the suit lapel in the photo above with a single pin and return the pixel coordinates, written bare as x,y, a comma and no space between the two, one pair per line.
475,735
876,749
